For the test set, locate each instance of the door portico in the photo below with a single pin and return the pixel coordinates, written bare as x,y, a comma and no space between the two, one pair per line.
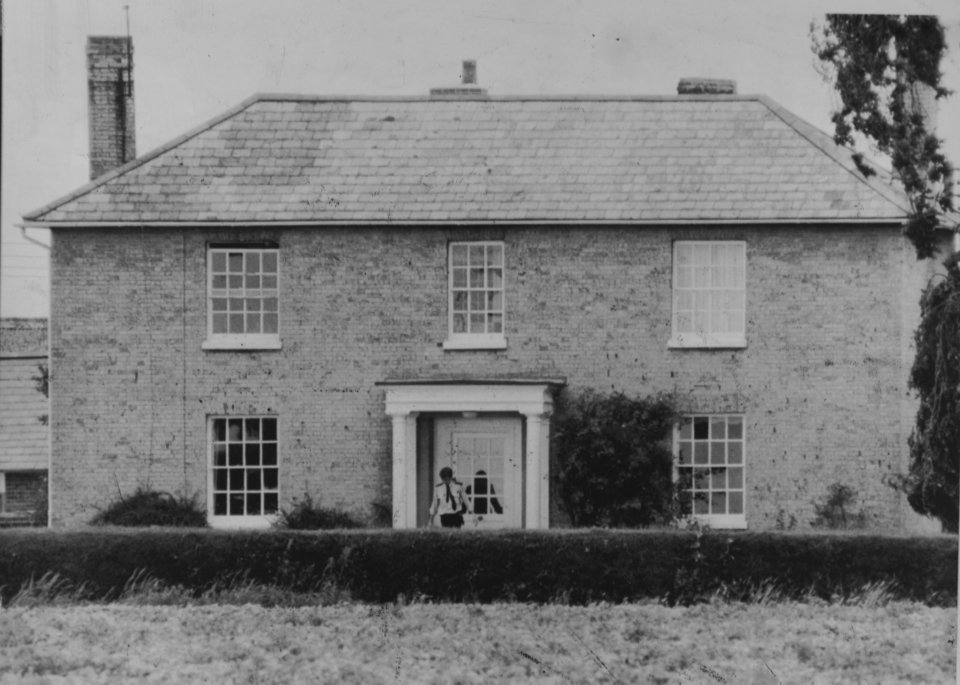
531,399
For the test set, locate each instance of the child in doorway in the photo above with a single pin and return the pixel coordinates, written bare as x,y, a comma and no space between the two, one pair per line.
448,501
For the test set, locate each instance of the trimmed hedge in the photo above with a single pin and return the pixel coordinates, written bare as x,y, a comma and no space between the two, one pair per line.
571,566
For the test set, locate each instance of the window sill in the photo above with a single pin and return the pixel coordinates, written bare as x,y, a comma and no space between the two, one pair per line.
242,342
475,342
242,522
721,521
704,342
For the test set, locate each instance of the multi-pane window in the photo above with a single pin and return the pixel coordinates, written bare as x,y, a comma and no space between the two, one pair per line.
244,466
710,462
476,291
243,292
709,293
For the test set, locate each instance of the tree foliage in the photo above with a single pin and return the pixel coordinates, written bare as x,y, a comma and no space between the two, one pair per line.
881,65
933,483
614,463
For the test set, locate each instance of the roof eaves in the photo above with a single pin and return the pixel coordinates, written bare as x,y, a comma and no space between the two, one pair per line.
825,144
491,221
140,161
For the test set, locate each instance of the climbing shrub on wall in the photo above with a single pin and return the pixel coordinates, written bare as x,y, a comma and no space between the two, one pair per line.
614,465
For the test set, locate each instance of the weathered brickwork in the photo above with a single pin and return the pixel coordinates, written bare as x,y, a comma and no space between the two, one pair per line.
822,381
110,96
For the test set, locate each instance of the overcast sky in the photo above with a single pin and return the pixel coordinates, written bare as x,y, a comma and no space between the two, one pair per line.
193,59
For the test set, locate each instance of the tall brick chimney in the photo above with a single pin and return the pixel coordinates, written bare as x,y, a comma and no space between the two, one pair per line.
110,90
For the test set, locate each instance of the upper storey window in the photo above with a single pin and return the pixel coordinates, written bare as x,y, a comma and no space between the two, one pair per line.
243,307
476,296
709,294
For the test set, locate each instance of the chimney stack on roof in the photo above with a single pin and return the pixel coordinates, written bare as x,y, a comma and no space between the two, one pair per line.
706,86
468,76
110,91
468,88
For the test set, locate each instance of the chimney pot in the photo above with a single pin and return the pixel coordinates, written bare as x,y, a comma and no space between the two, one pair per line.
706,86
110,93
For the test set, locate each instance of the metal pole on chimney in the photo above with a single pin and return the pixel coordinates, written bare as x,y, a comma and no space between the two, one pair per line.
129,88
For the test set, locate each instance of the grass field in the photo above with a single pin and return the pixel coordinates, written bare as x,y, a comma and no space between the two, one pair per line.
775,642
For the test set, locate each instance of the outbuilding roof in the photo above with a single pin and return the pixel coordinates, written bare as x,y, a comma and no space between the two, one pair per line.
336,160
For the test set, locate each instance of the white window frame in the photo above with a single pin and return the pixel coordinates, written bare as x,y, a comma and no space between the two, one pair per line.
469,340
244,520
240,341
707,338
726,520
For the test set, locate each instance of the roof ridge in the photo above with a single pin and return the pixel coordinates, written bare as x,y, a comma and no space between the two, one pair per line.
142,159
303,97
823,142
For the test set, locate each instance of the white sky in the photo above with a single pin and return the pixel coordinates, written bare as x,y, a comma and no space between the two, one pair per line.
193,59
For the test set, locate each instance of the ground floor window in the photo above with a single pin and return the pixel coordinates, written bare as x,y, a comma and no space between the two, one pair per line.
710,459
244,466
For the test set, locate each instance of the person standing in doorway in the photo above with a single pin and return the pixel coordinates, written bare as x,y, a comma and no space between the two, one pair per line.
482,495
448,501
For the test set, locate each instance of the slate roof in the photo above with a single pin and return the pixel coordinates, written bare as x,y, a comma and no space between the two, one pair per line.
290,159
24,441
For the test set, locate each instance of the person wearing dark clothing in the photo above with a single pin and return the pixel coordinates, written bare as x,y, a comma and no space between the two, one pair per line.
481,492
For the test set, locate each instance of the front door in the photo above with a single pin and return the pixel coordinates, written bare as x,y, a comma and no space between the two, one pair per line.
484,453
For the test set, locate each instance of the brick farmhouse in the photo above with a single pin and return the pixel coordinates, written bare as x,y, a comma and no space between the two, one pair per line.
336,296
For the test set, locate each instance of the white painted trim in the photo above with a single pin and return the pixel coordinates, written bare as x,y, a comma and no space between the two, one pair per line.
531,221
404,470
467,341
721,521
534,401
261,521
708,340
475,341
240,341
248,342
718,521
456,397
533,463
241,522
692,341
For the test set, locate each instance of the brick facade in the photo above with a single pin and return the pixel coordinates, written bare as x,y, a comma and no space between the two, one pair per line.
822,381
110,96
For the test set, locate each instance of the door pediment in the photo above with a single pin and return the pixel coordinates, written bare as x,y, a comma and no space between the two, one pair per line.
528,397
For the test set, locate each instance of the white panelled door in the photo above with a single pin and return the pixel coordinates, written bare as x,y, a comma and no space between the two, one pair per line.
485,455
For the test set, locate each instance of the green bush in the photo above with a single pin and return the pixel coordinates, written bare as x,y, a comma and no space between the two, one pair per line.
614,463
573,566
152,508
309,515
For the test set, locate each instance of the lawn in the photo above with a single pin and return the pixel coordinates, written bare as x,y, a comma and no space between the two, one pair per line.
785,642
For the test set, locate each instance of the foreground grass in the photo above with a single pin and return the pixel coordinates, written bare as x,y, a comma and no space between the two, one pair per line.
457,643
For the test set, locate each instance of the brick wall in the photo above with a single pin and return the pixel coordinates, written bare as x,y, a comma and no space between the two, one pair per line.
821,381
110,95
